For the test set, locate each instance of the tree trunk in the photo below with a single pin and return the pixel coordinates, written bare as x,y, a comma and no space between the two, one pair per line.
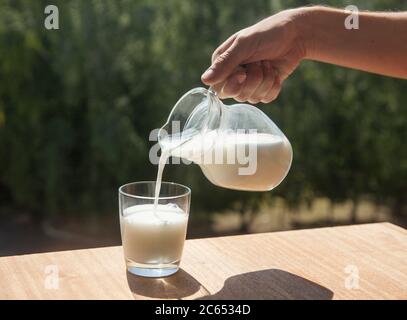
330,213
246,219
353,212
398,211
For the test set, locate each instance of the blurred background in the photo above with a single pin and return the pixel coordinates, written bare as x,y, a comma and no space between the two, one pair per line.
77,106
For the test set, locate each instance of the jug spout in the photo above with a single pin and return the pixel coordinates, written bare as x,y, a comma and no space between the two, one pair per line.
214,111
196,112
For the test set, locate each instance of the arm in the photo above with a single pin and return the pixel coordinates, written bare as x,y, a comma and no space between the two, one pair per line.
253,63
378,46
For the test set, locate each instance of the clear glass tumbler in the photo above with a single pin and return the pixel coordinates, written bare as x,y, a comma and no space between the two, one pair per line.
153,236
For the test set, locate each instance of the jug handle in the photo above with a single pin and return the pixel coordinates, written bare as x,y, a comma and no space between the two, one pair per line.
210,89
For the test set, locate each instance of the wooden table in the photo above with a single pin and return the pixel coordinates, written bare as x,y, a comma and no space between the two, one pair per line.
354,262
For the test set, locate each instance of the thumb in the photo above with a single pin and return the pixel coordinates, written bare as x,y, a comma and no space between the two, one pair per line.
223,66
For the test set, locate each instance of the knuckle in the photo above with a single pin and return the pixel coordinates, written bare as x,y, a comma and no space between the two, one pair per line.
266,98
244,35
254,101
225,55
239,98
270,96
221,59
214,56
241,38
273,97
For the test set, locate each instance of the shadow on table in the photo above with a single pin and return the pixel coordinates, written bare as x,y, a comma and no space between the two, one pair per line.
264,284
178,286
271,284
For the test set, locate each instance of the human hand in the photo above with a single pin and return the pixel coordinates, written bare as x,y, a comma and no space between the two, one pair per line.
253,63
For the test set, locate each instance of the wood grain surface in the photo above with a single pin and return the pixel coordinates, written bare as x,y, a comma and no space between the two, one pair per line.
352,262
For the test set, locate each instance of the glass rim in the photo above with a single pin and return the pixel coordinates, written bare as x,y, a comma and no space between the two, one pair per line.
186,192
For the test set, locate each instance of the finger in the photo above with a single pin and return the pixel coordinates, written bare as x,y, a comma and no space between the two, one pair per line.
218,51
254,78
273,92
266,85
223,66
223,47
234,84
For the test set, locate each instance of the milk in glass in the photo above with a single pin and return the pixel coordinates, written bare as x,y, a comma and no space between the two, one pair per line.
154,235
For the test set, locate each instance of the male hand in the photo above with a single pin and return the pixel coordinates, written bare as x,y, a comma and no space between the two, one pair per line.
253,63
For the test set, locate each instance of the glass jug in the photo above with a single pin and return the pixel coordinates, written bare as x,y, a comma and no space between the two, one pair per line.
237,146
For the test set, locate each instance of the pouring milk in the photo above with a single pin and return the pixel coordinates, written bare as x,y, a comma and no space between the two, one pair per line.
237,147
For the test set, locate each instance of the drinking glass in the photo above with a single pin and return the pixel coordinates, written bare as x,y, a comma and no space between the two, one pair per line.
153,236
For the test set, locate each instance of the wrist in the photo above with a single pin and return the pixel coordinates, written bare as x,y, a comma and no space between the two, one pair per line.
305,28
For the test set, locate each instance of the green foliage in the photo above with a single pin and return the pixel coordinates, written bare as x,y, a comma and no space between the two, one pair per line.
77,105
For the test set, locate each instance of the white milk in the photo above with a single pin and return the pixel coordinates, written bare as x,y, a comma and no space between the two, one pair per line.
251,162
154,236
161,164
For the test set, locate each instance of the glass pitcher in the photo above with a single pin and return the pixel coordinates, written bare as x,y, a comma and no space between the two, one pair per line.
237,146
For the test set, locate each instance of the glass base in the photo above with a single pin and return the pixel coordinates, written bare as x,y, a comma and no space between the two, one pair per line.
152,270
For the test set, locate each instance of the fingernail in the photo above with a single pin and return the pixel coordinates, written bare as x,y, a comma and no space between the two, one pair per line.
241,77
208,74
